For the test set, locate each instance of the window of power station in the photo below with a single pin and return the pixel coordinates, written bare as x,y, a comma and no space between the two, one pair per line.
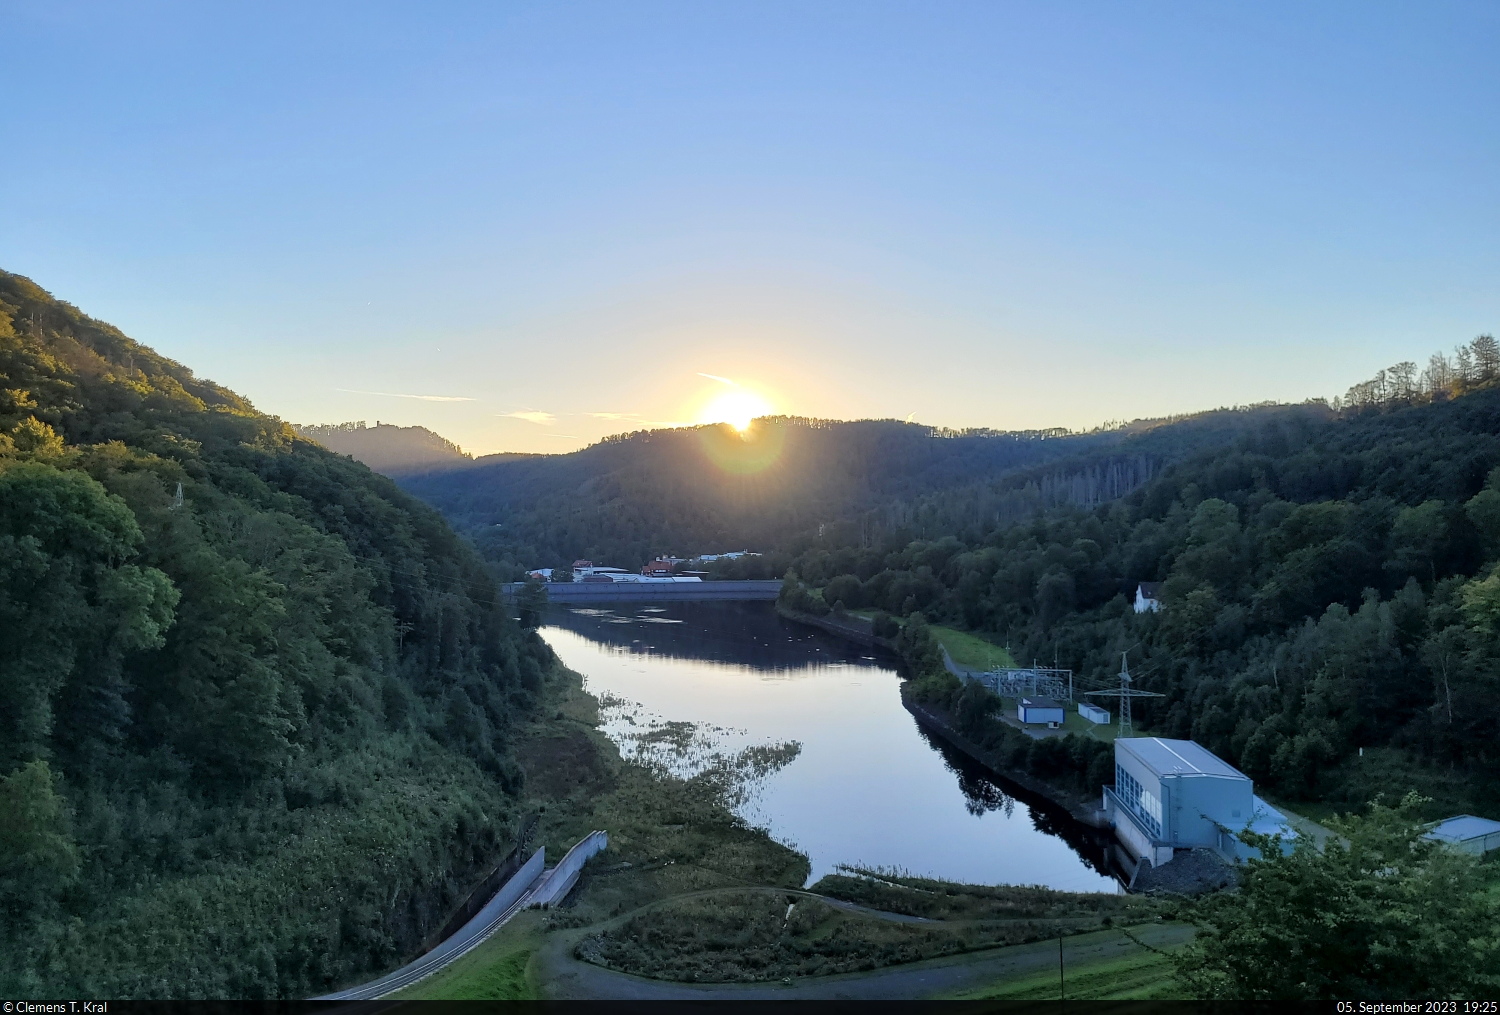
1145,805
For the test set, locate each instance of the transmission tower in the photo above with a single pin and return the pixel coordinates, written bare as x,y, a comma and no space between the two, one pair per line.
1126,692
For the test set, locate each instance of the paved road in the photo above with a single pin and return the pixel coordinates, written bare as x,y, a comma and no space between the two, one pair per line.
471,935
569,978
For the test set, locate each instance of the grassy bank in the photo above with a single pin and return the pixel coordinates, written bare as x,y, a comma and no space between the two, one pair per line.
971,650
759,936
1140,976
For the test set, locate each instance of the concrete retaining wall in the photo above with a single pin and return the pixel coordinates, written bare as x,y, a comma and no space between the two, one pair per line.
565,875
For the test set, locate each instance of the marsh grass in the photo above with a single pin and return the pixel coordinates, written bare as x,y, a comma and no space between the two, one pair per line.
749,936
945,900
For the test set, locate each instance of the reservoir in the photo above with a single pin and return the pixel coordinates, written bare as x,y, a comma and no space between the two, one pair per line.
831,762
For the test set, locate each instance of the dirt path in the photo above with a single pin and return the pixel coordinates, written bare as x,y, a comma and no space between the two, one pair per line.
568,978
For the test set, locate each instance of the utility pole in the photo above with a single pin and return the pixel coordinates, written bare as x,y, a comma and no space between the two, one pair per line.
1126,692
1062,992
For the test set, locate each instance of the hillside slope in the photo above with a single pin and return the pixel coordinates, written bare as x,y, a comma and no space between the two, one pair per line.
699,489
255,698
389,450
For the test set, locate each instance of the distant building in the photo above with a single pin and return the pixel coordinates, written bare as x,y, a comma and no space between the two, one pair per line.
1093,713
541,574
1038,710
736,555
661,567
1147,597
1175,794
584,569
1468,833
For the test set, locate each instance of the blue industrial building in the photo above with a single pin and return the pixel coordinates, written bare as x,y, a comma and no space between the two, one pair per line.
1035,710
1175,794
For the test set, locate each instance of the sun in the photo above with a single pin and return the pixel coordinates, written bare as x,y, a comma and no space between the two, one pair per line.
737,408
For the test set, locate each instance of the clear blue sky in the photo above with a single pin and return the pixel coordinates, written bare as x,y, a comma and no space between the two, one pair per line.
977,214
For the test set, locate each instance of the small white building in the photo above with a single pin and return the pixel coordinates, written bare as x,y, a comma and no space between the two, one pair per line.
1093,713
1467,833
1039,710
1148,597
1175,794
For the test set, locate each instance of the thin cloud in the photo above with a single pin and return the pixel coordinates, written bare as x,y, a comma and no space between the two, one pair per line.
531,416
568,436
614,415
397,394
716,377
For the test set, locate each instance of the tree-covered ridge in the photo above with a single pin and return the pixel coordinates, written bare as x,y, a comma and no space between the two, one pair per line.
706,488
1329,584
386,448
255,697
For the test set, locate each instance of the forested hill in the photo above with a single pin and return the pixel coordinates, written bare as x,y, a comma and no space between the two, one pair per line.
253,697
705,488
1330,616
390,450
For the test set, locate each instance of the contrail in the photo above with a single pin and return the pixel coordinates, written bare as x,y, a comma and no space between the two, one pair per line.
397,394
716,377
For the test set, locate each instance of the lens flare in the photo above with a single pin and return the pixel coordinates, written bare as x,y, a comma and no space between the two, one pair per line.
744,452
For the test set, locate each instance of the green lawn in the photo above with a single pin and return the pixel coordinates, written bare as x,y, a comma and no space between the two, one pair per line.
495,971
1145,975
971,650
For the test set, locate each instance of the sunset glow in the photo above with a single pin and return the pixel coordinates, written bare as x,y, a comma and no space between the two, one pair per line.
737,407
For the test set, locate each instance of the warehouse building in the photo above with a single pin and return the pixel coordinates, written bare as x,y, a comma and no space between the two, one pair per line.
1468,833
1175,794
1039,710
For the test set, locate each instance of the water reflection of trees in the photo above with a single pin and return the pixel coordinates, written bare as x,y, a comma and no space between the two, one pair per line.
743,634
983,793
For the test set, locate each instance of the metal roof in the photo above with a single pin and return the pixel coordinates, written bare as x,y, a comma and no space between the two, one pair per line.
1040,703
1178,757
1465,826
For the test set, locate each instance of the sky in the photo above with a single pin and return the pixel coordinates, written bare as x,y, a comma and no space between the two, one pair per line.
528,225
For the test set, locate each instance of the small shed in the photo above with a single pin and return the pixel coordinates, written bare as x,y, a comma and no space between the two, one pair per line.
1037,710
1093,713
1468,833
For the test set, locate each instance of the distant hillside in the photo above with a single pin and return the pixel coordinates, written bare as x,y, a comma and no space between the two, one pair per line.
793,483
254,699
388,449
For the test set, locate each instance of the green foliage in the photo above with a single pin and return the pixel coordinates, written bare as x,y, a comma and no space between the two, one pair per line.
38,856
795,597
1378,913
254,700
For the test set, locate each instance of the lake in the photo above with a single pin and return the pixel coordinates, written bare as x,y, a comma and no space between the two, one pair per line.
827,758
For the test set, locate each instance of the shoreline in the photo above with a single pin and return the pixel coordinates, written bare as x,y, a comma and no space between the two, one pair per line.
1077,807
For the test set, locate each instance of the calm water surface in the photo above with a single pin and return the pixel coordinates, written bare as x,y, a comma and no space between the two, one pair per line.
868,786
